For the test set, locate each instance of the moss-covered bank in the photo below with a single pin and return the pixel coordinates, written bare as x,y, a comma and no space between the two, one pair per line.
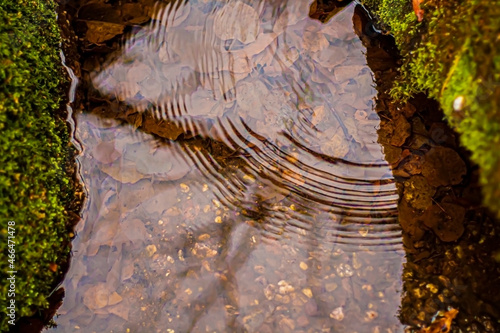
453,54
35,187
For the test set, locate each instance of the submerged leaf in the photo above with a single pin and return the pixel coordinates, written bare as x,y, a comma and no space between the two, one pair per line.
238,21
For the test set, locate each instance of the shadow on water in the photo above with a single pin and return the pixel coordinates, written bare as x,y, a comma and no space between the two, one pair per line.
248,191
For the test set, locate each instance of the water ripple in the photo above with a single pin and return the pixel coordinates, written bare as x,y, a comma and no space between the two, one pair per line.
259,85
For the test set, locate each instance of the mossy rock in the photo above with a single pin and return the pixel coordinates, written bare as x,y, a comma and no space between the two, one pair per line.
34,185
453,55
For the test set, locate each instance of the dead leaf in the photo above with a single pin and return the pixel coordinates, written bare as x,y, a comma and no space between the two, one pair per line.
105,152
114,298
98,32
446,220
315,41
443,166
441,324
151,89
418,11
138,71
344,73
337,147
410,221
127,271
402,130
331,56
159,163
413,165
132,195
418,193
318,115
165,199
113,276
98,12
134,230
123,173
78,270
134,13
237,20
392,154
125,91
250,95
121,310
165,129
97,296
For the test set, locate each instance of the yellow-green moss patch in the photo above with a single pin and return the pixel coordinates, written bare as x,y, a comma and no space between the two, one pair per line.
34,187
453,54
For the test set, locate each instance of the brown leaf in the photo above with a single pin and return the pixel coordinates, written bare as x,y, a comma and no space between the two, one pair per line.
237,20
446,220
114,298
104,232
121,310
331,56
392,154
318,115
105,152
97,296
443,166
338,146
134,13
441,325
98,32
138,71
410,221
413,165
99,11
315,41
418,11
165,129
126,173
402,130
127,271
134,230
418,193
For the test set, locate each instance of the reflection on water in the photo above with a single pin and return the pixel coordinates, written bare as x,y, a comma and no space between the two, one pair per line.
273,211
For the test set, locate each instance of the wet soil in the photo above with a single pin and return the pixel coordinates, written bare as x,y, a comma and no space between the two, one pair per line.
450,239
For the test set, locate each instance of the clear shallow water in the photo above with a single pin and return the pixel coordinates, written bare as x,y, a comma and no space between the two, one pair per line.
280,216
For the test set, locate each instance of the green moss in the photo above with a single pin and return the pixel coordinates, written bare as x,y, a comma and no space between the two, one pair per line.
454,51
34,186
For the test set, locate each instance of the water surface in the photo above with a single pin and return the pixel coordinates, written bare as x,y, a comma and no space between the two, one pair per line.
268,207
